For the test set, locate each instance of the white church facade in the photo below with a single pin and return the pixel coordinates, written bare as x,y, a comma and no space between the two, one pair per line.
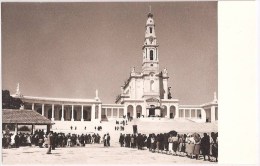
145,94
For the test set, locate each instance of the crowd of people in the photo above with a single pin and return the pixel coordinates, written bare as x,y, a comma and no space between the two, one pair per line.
106,140
120,125
39,138
190,145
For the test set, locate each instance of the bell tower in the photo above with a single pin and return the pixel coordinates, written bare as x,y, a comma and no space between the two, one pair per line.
150,48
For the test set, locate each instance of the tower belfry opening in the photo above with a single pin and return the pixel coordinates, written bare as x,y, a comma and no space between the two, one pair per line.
150,47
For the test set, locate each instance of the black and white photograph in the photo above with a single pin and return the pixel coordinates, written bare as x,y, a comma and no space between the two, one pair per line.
110,83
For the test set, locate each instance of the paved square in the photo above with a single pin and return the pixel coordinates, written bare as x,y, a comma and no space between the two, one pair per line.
91,154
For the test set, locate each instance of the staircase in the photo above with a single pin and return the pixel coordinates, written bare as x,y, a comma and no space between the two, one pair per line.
143,126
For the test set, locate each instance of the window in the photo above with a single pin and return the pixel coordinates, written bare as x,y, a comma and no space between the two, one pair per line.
151,30
151,55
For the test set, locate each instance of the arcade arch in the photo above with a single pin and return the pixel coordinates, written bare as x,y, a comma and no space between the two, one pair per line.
130,111
164,111
138,111
172,112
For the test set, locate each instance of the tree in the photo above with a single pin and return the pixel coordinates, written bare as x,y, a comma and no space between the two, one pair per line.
9,102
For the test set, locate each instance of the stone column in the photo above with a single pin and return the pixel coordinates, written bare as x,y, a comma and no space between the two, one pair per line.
32,106
117,112
99,112
112,114
33,129
165,87
190,113
72,113
16,129
196,114
62,112
106,111
168,111
212,114
52,112
93,112
125,110
42,109
143,111
134,111
48,128
177,112
82,119
134,86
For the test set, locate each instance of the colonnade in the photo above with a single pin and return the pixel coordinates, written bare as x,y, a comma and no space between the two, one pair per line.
190,113
167,111
89,112
112,112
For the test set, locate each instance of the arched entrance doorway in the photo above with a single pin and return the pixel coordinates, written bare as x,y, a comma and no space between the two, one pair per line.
130,111
172,112
163,111
138,111
151,111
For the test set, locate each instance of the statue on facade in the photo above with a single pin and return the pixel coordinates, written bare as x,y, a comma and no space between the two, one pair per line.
18,93
215,97
96,95
17,89
133,70
169,93
165,71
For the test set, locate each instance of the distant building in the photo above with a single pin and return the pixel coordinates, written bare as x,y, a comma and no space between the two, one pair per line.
145,94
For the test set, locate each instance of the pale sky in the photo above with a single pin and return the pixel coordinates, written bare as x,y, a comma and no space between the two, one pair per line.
68,50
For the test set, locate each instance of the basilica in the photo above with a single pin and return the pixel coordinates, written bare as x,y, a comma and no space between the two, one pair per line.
145,95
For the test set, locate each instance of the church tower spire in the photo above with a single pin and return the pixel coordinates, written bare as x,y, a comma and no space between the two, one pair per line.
150,47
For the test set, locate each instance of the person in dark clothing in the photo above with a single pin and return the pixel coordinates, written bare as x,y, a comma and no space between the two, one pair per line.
16,140
108,139
139,141
54,139
121,140
128,140
41,139
166,143
161,144
205,146
135,140
105,140
148,145
215,146
144,139
4,140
